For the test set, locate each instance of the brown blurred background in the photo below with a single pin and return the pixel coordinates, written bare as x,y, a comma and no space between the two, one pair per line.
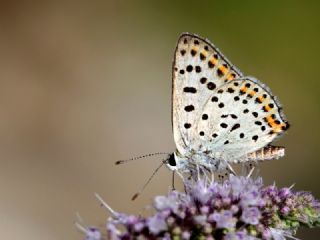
86,83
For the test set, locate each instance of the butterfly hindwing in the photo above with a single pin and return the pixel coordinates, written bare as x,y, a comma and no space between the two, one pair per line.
198,70
242,117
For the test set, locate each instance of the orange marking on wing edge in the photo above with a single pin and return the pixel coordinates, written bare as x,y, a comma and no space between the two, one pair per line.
281,127
230,77
267,108
223,69
278,128
244,89
252,93
205,53
195,49
261,98
213,61
275,127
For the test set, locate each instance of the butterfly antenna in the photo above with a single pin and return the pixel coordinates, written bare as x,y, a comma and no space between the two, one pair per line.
140,157
134,197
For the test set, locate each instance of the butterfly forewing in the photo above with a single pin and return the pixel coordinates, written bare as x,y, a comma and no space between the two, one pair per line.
198,70
243,117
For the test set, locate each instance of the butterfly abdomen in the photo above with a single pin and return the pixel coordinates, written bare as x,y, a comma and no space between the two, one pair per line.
266,153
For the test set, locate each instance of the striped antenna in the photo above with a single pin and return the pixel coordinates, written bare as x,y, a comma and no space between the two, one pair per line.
140,157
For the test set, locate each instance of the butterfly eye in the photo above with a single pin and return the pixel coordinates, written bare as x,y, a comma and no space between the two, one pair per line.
172,161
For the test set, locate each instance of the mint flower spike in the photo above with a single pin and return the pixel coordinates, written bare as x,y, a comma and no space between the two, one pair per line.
239,208
91,233
104,204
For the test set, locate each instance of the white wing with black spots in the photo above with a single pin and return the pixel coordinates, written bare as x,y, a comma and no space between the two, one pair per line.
198,70
241,117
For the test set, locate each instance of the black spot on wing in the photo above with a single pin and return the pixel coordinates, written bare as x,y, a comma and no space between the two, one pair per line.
205,116
202,56
255,114
219,72
190,90
203,80
220,91
182,52
189,108
224,125
189,68
230,90
255,138
221,105
211,64
211,86
214,99
234,127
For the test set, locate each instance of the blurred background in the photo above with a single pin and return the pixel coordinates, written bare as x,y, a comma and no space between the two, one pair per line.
86,83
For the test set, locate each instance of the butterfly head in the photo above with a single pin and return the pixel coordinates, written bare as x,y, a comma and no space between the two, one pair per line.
174,162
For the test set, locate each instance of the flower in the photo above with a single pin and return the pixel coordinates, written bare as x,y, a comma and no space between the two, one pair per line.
240,208
239,235
251,215
93,234
156,224
224,219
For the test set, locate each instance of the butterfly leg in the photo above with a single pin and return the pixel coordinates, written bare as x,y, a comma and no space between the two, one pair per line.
248,168
198,172
231,170
189,178
206,174
212,176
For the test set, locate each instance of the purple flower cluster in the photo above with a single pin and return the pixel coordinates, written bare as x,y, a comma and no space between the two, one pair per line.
239,208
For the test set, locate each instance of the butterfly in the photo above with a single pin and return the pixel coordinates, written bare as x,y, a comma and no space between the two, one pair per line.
219,116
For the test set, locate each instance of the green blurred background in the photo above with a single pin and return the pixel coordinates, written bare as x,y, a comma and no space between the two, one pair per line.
86,83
